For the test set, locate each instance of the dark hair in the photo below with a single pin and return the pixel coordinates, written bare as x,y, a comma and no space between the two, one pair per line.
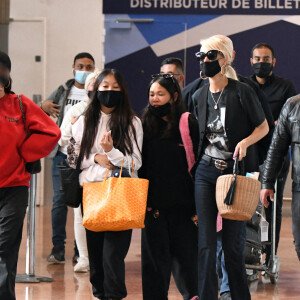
120,123
83,55
5,64
173,61
6,83
151,123
263,45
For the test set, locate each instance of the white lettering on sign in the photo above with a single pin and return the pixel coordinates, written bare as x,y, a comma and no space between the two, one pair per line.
216,4
205,4
240,4
276,4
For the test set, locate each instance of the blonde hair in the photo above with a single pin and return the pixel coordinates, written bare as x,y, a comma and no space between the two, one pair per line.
90,78
225,45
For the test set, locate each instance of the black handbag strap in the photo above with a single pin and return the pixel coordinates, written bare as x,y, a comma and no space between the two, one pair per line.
236,171
239,166
23,116
236,166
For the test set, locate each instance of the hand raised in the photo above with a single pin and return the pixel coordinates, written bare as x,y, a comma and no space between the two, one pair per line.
107,142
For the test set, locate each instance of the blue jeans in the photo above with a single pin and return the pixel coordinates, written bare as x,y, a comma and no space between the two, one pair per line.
233,239
221,270
59,208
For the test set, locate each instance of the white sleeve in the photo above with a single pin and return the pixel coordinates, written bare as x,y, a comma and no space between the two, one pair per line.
66,126
66,129
116,156
77,133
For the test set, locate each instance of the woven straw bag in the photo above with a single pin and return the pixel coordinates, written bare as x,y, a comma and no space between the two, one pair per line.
115,204
237,196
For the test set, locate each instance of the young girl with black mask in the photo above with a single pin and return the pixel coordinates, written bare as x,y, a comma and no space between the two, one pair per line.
108,133
169,239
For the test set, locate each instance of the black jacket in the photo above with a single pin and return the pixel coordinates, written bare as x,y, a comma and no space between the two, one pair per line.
287,132
237,123
165,166
264,144
188,92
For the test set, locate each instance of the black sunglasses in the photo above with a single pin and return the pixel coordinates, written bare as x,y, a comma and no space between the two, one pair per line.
211,55
164,75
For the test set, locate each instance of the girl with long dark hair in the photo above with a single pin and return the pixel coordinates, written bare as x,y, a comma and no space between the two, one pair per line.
169,239
108,133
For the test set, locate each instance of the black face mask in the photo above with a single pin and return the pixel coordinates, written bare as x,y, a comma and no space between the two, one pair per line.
160,111
109,98
262,70
210,68
90,93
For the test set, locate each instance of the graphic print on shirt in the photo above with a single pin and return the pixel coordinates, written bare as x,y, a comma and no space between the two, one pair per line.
72,102
216,134
12,119
75,96
215,129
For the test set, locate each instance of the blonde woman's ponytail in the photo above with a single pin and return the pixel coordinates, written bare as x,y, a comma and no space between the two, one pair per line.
230,72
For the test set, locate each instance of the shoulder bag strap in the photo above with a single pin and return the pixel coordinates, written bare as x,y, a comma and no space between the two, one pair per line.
23,115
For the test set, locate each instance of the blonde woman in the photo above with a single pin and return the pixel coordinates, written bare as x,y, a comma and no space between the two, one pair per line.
230,119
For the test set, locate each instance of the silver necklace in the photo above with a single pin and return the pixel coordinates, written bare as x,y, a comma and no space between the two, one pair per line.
216,102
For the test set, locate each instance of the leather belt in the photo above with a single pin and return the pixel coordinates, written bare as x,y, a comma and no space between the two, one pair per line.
218,163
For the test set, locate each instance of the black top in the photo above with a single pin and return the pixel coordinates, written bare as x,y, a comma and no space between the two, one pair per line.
277,90
165,166
243,114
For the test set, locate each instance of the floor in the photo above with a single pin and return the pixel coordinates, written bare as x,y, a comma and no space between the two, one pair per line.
69,285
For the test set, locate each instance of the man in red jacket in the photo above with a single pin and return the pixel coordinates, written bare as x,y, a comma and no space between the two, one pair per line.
16,149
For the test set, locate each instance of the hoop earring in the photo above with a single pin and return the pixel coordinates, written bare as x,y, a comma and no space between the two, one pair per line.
6,87
203,78
223,70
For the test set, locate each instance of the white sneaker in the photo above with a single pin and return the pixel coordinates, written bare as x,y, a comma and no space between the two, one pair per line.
82,265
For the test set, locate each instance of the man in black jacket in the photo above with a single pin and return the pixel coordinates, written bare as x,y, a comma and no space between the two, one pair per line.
277,91
287,133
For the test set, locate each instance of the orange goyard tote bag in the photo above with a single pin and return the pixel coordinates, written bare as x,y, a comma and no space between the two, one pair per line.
115,204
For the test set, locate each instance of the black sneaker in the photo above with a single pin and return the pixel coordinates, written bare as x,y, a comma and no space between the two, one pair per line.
57,255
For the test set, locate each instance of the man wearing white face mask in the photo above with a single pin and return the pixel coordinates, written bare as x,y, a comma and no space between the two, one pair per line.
57,105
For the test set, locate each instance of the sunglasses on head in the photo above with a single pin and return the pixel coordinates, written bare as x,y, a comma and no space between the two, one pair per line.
164,75
211,55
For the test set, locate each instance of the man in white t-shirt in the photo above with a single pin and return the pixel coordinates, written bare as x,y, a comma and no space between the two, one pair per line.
57,105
